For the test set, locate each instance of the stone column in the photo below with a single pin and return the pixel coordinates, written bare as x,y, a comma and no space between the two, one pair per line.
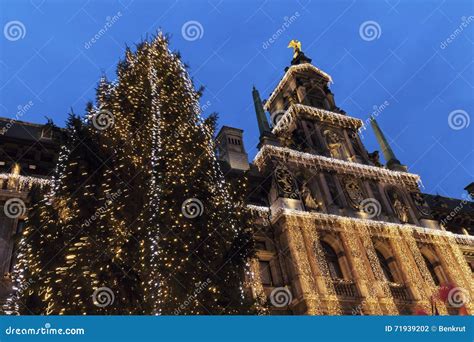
301,267
359,270
408,270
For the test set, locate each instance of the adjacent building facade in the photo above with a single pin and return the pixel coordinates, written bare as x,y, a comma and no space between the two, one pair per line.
28,155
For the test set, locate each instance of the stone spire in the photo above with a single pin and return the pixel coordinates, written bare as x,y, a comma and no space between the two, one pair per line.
263,125
266,135
392,162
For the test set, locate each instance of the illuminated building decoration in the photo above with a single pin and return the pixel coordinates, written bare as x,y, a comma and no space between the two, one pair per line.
359,237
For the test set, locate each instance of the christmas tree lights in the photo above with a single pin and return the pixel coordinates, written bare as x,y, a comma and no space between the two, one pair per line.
114,217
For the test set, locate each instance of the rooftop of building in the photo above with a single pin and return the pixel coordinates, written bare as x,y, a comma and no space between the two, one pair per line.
26,131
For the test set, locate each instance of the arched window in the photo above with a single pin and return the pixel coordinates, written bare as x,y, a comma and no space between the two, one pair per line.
385,267
332,261
431,269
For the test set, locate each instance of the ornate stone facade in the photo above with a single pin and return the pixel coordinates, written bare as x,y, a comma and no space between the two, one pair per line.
337,230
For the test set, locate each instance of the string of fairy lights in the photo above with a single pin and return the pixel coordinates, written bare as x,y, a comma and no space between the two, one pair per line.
359,236
154,153
157,152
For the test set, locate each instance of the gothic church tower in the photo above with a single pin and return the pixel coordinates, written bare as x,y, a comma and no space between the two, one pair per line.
341,233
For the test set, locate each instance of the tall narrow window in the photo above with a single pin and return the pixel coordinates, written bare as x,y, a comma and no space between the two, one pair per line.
265,273
431,269
333,190
332,261
377,195
385,267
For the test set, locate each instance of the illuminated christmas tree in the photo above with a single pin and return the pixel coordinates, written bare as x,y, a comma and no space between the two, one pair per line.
139,216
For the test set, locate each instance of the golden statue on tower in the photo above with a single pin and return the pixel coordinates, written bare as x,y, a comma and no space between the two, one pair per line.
296,45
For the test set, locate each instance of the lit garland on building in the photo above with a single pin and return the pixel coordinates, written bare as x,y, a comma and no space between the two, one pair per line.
359,236
292,70
23,183
318,162
287,122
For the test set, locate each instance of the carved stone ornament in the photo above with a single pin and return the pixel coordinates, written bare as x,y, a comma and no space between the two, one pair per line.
334,142
285,182
308,199
420,203
354,191
400,208
375,158
332,138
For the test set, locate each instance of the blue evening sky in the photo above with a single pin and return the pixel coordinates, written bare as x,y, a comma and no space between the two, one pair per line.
49,64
